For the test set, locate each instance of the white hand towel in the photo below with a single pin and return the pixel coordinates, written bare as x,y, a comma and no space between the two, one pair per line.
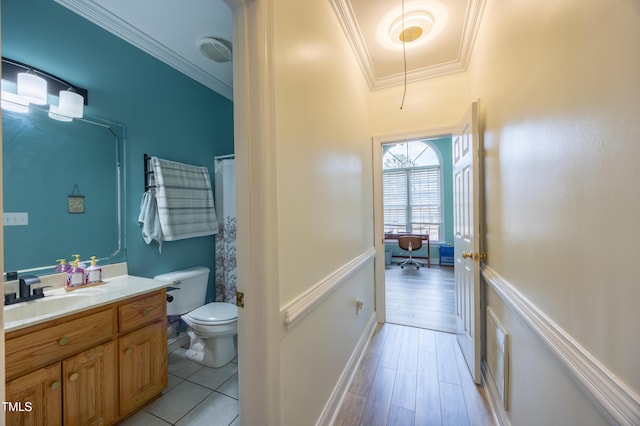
148,218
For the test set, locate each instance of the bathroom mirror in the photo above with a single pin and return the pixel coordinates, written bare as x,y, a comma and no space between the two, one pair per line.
62,190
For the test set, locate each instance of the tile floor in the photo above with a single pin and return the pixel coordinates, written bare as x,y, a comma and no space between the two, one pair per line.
196,395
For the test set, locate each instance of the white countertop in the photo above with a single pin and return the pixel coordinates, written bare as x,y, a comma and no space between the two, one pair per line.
113,290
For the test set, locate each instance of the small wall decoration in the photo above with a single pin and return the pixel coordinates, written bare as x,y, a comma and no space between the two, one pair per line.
76,201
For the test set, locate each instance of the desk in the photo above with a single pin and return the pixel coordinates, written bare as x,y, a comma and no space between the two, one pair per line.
424,237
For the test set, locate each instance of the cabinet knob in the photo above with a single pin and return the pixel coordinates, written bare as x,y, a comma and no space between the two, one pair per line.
128,351
55,385
145,312
63,341
73,377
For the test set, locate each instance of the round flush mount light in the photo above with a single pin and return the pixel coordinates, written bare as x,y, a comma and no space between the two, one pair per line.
411,33
215,48
414,26
411,28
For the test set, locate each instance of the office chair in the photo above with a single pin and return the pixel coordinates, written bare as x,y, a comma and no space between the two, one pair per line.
410,243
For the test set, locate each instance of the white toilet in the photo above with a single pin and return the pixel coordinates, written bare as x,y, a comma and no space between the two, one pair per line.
211,326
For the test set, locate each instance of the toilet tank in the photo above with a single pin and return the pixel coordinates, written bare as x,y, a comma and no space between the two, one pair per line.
191,289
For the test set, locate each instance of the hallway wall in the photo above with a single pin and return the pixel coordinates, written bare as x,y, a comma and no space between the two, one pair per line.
324,197
558,84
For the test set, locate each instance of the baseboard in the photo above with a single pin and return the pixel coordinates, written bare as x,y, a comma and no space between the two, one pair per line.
330,411
615,400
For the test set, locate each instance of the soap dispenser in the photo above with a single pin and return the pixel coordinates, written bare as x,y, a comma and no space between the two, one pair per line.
75,277
63,266
93,273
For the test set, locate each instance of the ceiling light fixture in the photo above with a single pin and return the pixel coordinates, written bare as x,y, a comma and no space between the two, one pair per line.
411,27
34,86
413,24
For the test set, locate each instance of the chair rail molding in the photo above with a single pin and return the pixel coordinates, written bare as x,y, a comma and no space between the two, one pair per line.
614,399
299,307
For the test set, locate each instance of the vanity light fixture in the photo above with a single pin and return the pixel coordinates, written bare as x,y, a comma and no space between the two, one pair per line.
71,104
32,88
35,86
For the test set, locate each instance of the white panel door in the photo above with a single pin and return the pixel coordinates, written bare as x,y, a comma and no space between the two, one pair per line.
467,239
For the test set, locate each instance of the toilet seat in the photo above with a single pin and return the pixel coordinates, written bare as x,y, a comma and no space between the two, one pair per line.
214,313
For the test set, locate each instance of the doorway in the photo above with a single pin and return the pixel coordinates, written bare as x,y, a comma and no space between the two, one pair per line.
415,195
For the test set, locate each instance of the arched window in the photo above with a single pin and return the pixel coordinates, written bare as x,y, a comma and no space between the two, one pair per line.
412,189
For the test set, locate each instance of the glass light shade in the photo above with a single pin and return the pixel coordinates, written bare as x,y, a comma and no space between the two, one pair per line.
71,104
54,112
13,102
32,88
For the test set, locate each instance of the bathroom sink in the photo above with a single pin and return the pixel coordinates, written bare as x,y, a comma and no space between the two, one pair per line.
50,305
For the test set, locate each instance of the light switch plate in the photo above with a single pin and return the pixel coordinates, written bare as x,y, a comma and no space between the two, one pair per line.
16,219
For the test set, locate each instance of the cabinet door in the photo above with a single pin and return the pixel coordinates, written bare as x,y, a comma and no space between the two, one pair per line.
90,384
35,398
143,366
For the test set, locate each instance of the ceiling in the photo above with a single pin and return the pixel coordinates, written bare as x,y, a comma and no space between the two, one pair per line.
170,32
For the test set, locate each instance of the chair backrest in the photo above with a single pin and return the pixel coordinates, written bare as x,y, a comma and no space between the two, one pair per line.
403,242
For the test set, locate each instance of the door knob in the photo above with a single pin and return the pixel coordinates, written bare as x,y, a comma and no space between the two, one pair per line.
466,255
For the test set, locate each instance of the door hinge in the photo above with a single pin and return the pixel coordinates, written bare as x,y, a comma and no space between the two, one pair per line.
239,299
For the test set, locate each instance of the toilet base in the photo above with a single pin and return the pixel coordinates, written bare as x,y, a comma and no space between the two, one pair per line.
212,352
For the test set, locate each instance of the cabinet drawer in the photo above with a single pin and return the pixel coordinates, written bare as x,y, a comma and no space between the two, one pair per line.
51,344
142,311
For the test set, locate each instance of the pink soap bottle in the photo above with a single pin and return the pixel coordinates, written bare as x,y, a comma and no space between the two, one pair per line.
63,266
75,277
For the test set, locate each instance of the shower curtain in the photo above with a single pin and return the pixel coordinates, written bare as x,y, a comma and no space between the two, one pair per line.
225,199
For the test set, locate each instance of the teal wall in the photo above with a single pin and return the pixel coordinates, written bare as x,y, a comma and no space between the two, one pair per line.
164,112
443,147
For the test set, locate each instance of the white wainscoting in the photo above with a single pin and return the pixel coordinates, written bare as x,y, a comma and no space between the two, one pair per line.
298,308
612,397
331,409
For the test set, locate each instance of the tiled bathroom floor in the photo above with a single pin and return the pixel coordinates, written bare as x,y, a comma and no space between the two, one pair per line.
196,395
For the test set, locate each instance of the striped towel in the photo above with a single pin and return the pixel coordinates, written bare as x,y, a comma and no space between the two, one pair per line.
185,200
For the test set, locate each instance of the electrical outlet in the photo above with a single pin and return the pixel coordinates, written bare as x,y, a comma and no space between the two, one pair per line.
16,219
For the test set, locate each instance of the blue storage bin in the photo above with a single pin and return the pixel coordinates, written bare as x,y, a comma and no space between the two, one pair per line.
446,256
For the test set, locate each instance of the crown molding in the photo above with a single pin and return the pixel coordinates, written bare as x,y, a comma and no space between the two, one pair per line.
110,22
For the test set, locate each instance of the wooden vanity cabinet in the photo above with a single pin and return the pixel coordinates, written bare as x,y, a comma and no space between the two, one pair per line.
91,368
143,366
143,351
90,384
42,389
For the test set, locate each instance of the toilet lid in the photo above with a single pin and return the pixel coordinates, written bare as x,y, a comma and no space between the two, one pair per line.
214,312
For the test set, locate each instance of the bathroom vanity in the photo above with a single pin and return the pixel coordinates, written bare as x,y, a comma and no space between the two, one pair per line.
94,364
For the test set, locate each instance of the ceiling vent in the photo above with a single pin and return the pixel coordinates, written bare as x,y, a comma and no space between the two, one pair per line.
216,49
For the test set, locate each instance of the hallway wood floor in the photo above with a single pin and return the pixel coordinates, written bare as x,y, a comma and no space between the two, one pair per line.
413,376
422,297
